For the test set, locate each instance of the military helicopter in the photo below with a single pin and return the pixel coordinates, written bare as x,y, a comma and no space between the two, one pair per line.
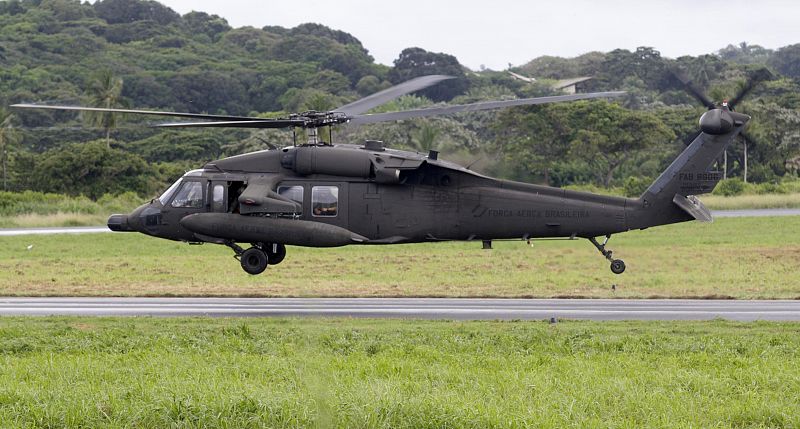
319,194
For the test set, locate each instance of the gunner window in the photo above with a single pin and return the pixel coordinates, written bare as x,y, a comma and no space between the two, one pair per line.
324,201
190,195
294,193
218,198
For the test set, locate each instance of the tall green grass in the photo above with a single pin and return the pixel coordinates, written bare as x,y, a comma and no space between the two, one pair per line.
30,202
224,373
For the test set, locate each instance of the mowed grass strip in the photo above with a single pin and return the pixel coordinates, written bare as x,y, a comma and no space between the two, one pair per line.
740,202
739,258
228,373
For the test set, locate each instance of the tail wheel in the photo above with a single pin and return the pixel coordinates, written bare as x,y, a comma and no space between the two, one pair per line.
617,266
254,261
275,253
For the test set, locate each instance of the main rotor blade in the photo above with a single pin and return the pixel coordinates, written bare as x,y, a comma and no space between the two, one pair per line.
259,123
692,89
474,107
137,112
753,80
371,101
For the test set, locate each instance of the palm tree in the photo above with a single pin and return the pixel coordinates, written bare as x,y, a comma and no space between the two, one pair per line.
105,91
425,138
8,136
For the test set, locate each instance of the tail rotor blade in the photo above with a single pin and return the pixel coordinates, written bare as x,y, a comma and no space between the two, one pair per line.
748,138
753,80
693,89
688,140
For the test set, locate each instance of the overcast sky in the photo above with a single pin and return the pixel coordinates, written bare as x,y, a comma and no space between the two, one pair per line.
495,33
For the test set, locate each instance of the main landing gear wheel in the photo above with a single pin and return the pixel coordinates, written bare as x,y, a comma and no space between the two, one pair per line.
254,260
617,265
275,253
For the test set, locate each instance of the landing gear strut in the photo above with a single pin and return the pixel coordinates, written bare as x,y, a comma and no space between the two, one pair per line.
617,265
275,253
256,259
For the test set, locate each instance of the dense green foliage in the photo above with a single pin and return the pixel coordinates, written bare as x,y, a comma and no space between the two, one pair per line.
601,134
340,373
414,62
142,54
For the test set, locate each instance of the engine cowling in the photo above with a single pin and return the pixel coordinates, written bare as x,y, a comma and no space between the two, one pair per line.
357,163
321,160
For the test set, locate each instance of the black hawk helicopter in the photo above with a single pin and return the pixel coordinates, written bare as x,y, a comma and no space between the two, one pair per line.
323,195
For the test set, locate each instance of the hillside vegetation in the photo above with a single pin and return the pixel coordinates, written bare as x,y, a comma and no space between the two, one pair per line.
139,53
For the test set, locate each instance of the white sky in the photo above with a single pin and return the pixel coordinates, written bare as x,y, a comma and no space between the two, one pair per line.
495,33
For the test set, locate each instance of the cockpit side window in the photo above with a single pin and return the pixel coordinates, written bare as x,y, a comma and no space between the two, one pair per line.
189,195
324,201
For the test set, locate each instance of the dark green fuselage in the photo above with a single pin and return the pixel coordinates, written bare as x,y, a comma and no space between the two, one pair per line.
325,196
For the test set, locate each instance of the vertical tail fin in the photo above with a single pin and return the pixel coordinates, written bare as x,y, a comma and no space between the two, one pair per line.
670,198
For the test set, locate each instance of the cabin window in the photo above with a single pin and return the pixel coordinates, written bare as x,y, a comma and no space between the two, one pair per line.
325,201
294,193
218,198
190,195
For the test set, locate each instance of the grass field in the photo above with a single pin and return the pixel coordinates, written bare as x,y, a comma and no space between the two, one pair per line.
738,202
740,258
225,373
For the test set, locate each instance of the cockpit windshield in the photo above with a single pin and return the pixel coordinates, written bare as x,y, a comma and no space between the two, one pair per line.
164,198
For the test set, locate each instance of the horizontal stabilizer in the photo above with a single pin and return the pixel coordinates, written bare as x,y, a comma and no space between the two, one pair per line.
693,207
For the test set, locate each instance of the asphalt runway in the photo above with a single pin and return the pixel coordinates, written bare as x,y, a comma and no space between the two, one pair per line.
755,213
62,230
407,308
99,229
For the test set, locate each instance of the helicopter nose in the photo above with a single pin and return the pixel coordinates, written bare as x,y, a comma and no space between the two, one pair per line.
144,219
147,219
119,223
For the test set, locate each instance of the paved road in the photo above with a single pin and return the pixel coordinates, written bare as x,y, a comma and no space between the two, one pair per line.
422,308
98,229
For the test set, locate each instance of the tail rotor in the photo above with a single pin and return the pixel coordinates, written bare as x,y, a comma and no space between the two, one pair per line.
754,78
